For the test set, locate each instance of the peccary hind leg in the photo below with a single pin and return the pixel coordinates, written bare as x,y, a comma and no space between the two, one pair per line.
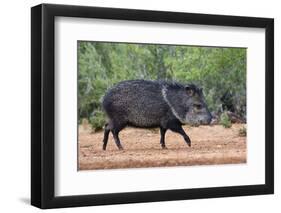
116,138
115,128
162,139
105,138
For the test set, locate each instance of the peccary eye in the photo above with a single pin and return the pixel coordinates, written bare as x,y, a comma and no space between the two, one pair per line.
189,90
198,106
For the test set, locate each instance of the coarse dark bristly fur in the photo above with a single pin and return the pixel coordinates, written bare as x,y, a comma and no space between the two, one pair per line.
150,104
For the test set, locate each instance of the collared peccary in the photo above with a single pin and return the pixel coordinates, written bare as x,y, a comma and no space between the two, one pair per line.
150,104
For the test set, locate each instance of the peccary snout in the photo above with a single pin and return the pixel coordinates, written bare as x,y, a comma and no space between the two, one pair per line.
206,121
147,104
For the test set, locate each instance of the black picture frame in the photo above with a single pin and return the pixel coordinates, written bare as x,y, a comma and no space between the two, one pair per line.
43,105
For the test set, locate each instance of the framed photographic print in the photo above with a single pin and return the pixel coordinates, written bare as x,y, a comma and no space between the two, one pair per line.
139,106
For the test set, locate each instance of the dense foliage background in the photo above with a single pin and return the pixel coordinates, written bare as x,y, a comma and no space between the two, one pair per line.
220,71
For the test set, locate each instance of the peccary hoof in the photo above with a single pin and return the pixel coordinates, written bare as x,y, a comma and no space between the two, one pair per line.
164,147
188,143
120,148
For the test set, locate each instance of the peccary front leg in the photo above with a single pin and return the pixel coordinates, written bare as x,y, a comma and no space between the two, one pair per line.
185,136
162,139
176,127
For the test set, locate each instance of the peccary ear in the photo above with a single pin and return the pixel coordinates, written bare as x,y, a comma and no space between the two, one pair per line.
189,90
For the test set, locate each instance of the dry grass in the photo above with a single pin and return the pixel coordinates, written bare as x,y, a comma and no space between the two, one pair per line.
210,145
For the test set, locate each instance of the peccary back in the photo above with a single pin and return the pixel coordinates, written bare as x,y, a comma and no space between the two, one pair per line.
138,103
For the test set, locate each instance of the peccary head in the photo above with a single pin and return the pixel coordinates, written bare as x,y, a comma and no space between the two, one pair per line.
187,103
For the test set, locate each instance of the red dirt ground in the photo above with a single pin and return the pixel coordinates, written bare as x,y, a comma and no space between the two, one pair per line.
210,145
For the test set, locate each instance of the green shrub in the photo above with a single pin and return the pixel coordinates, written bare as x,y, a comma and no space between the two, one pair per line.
103,64
225,120
98,120
243,132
